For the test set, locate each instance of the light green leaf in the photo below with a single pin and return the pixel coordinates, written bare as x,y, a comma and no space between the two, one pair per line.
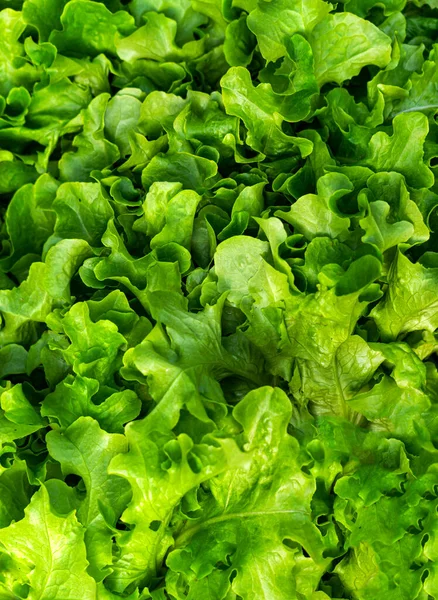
392,217
330,388
90,28
318,324
313,215
82,212
160,474
156,40
45,15
95,347
178,220
184,365
73,398
231,519
85,450
421,95
28,210
50,550
14,70
276,21
410,303
403,151
236,261
121,120
260,111
93,150
343,44
378,229
47,285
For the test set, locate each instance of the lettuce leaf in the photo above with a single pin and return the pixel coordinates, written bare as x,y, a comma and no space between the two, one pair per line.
218,300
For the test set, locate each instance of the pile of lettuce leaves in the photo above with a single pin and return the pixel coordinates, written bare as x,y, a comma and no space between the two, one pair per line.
218,300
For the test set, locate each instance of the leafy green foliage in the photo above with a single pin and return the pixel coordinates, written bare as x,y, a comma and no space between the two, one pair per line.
218,300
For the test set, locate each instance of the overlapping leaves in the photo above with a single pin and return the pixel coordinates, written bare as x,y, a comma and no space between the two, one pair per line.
218,300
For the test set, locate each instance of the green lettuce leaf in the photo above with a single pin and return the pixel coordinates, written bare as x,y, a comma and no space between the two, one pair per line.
409,303
343,44
232,517
103,29
274,23
93,150
85,450
403,151
73,398
50,550
218,314
161,469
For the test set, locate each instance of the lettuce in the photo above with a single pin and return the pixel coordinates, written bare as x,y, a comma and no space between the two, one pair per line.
218,300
